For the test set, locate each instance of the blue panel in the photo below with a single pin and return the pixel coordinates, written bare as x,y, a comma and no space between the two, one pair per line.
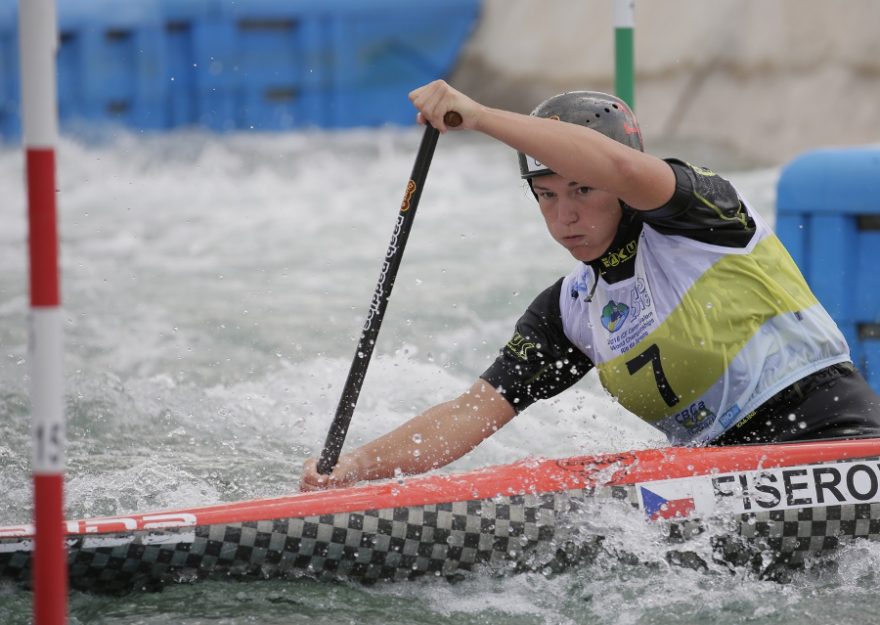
214,91
836,180
864,261
269,70
833,243
828,215
10,123
110,62
149,89
69,64
869,361
792,230
179,73
258,64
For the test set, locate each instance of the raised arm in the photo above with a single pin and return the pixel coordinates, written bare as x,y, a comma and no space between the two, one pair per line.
430,440
643,181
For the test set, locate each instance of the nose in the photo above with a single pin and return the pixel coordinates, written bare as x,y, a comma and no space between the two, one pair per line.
567,213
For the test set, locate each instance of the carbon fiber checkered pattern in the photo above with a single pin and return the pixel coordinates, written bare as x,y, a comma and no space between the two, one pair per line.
516,532
394,543
800,531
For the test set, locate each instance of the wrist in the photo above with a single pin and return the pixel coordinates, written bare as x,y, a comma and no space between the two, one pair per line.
480,113
355,467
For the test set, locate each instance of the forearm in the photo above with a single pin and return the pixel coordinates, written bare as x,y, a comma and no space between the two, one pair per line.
584,155
436,437
571,150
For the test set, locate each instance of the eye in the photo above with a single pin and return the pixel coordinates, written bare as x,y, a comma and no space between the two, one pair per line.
583,190
546,195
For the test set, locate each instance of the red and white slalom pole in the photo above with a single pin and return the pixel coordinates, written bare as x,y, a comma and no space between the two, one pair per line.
38,37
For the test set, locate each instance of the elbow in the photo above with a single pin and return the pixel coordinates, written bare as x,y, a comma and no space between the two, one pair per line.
642,181
627,171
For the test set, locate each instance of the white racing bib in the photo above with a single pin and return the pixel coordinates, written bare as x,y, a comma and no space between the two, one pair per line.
702,334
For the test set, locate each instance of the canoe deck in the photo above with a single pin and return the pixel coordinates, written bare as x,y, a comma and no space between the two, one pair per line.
787,500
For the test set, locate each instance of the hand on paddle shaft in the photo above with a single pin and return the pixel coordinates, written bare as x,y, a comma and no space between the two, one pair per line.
344,411
444,107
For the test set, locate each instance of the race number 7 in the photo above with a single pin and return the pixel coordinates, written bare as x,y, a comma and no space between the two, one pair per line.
652,355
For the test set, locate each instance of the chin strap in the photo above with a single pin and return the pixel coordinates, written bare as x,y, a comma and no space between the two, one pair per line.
589,297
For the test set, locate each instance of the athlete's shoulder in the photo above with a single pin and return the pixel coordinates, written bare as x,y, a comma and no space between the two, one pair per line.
705,207
525,369
708,187
546,304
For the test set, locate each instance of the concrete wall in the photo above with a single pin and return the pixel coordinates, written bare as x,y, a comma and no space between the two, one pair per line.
757,81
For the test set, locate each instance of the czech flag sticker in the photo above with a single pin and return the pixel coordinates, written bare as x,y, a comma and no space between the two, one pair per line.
668,505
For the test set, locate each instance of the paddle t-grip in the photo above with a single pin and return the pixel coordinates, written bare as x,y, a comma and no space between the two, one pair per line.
452,119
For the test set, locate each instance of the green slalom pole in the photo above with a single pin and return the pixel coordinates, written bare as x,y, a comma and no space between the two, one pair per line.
624,55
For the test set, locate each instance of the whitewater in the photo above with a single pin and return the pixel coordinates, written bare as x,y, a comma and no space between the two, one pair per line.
214,287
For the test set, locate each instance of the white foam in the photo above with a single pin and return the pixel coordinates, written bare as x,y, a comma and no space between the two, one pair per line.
214,288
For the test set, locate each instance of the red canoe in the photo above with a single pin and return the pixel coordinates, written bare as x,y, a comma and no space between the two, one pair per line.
787,499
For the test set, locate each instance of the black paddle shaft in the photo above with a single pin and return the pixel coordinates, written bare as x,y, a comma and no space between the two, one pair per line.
358,370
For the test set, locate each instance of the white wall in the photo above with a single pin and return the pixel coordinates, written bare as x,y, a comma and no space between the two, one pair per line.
760,80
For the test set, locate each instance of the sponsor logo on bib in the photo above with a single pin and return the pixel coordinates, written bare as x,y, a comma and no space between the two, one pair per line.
614,315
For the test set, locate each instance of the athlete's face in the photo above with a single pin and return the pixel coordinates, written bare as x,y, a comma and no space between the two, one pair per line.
581,219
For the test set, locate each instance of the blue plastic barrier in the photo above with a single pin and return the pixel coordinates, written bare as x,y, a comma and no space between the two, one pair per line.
110,61
828,216
10,122
224,65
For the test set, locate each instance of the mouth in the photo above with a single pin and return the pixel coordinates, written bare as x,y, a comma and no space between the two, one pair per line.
574,240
